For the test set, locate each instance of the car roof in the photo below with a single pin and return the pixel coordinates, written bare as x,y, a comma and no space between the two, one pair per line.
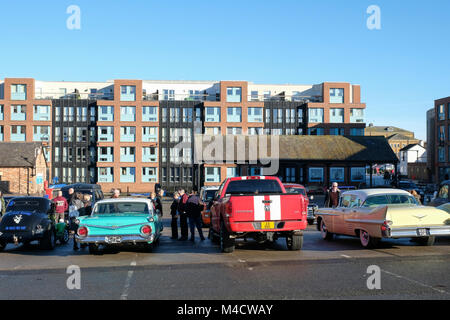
293,185
364,193
81,186
210,188
127,199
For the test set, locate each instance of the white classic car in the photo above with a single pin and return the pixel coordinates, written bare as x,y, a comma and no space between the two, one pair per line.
374,214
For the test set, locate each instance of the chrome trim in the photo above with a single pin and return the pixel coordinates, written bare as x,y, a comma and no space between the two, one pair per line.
411,232
114,227
366,221
125,238
326,214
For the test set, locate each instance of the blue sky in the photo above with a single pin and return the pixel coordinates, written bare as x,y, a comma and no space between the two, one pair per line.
401,68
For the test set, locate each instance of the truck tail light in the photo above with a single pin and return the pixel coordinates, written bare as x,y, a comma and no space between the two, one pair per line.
229,208
82,232
146,230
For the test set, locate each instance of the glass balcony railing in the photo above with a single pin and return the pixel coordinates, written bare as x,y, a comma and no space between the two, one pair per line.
127,158
106,138
127,138
106,158
18,137
18,96
149,158
150,138
105,178
18,116
149,178
41,116
127,178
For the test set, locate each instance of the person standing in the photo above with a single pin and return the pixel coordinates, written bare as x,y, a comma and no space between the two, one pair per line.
194,213
183,217
61,206
332,196
116,194
174,214
71,197
2,205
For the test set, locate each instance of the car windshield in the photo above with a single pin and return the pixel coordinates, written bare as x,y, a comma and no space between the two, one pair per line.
387,199
121,208
260,186
209,194
29,205
296,190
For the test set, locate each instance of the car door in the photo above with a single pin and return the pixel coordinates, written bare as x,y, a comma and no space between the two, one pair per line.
344,209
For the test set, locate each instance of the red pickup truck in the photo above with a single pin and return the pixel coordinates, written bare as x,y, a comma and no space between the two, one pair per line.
258,207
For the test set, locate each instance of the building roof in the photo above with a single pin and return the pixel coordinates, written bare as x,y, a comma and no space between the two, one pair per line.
411,145
399,136
365,149
384,129
18,154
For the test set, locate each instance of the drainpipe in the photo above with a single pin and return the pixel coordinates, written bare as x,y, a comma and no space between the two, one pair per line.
28,181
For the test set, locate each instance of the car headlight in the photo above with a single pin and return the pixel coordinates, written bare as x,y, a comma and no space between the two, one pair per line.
39,229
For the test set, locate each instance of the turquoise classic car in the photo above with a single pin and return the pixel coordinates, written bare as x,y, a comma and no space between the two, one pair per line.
122,221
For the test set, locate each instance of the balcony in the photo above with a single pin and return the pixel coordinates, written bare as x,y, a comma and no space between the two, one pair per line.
149,158
105,116
18,137
127,178
356,119
150,117
106,138
18,96
41,116
128,117
127,138
106,158
127,158
336,119
18,116
234,118
41,137
255,118
149,178
150,138
106,178
127,97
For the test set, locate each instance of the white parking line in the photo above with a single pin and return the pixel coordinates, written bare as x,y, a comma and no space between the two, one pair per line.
415,282
126,289
345,256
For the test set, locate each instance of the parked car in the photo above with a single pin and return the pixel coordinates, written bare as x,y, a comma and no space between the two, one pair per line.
313,189
207,195
94,190
409,185
257,207
29,219
442,196
118,222
375,214
309,208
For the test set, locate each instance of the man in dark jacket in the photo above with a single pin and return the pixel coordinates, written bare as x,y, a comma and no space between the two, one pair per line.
332,197
183,217
194,212
174,214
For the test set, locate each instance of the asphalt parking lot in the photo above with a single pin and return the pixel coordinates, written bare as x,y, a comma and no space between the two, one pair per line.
186,270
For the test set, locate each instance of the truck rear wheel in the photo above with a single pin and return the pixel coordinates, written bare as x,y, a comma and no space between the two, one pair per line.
226,243
212,236
2,245
49,240
294,242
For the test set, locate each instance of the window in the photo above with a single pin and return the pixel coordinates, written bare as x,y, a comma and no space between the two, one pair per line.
57,113
41,133
68,134
175,134
277,115
127,174
336,115
234,94
168,94
150,134
441,154
18,112
127,93
357,174
18,92
316,131
337,175
212,174
337,131
164,115
267,115
188,115
127,134
316,115
290,115
149,174
41,113
81,114
127,154
82,134
106,134
69,113
174,114
441,133
150,114
105,174
254,96
234,114
57,159
356,115
127,113
441,112
106,113
234,130
212,114
255,131
315,174
232,172
336,95
357,131
105,154
299,115
255,114
212,131
266,95
290,174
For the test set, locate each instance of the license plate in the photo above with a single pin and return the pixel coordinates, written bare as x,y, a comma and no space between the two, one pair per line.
268,225
113,239
422,232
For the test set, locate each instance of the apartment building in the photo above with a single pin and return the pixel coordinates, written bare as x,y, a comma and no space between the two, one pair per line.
442,139
134,134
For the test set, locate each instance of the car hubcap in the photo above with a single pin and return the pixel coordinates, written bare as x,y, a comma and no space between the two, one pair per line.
364,238
324,229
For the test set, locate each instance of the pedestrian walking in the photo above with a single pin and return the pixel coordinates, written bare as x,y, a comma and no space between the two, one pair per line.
174,214
194,208
332,196
61,206
75,210
182,213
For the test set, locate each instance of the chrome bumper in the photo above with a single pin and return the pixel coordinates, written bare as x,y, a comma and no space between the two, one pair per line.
126,239
411,232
